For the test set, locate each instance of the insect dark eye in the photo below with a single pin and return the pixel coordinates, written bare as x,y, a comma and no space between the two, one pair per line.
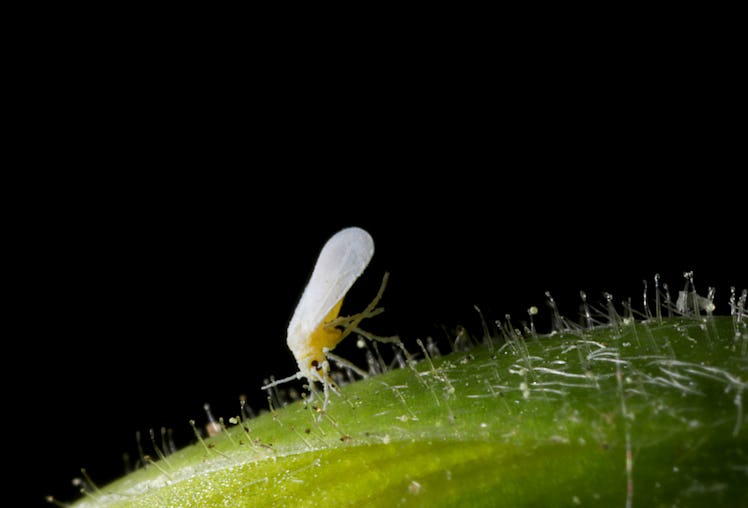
315,364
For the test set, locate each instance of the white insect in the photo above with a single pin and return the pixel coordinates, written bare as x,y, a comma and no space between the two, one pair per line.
315,328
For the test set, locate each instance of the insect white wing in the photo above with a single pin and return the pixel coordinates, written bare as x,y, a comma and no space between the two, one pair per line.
341,261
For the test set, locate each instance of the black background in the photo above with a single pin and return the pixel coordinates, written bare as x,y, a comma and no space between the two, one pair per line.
162,258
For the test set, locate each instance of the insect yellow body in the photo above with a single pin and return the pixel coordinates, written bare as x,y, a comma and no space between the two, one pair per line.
324,337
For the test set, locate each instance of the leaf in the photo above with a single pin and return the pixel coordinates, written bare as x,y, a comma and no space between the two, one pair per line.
642,414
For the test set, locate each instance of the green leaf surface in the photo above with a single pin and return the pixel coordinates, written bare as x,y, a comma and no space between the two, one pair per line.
637,414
